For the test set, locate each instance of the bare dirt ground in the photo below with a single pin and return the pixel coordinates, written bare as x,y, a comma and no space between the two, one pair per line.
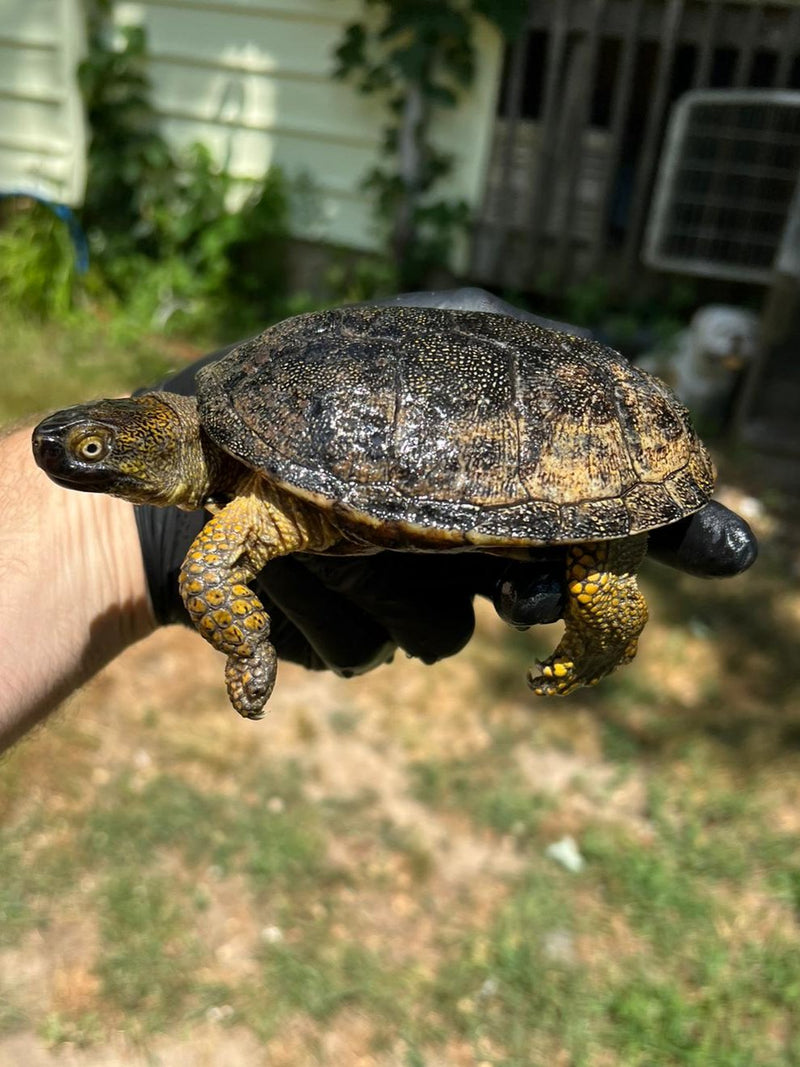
176,673
162,708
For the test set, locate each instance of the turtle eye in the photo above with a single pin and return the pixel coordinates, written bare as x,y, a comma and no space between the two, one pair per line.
92,448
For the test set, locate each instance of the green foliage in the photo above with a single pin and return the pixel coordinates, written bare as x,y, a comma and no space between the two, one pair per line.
65,360
37,262
420,56
132,172
174,240
358,278
12,1017
318,974
160,223
208,828
215,269
491,791
81,1031
32,878
507,986
149,952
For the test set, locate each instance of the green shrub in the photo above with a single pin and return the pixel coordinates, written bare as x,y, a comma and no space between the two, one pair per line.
174,242
37,261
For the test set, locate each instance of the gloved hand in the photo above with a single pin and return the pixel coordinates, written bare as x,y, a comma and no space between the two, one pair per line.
349,614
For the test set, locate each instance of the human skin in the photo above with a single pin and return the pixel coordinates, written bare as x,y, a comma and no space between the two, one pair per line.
72,601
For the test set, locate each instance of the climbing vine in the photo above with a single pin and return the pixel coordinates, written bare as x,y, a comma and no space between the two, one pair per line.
160,223
420,56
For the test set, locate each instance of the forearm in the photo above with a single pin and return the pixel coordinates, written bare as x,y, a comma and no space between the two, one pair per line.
73,588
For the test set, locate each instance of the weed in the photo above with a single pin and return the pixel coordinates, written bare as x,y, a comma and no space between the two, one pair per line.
488,788
508,986
37,262
271,846
312,970
54,364
78,1032
149,949
12,1017
407,843
343,721
652,885
36,871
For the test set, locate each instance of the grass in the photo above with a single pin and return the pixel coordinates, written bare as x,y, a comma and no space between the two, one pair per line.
55,364
491,792
129,825
366,870
150,948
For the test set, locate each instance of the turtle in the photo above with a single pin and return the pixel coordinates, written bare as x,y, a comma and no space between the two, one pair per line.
368,428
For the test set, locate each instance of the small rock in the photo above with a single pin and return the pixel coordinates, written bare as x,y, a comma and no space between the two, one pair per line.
566,853
559,946
218,1013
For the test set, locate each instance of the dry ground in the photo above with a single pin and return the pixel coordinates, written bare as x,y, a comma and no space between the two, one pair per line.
398,908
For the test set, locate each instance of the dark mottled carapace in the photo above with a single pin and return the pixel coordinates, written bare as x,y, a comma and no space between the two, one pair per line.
468,426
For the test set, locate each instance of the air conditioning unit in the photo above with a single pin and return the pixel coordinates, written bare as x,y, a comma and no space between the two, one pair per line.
728,186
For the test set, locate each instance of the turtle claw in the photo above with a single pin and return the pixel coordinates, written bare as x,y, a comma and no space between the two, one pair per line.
250,680
604,615
557,678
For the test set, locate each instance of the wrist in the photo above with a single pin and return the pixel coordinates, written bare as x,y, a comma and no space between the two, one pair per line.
73,585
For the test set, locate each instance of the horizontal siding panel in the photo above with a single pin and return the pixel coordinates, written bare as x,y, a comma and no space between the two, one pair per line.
30,22
332,172
34,72
332,215
253,81
42,125
256,42
250,153
466,131
307,10
46,172
310,108
39,121
344,221
255,85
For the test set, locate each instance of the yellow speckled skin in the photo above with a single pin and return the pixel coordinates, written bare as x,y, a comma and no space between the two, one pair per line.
258,525
604,616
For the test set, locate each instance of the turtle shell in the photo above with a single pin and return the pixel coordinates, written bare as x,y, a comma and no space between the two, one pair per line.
456,425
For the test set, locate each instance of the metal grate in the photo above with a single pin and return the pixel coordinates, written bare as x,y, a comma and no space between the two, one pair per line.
729,172
581,122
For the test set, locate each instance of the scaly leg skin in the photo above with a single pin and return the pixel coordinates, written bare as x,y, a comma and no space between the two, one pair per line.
230,550
604,616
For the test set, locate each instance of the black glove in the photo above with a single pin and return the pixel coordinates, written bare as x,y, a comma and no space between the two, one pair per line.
349,614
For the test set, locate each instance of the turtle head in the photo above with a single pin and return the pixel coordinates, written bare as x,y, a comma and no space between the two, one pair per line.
148,449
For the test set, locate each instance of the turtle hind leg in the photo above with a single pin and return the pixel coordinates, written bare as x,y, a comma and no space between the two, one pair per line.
604,616
229,551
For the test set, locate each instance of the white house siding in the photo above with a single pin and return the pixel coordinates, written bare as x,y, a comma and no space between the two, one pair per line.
252,80
42,129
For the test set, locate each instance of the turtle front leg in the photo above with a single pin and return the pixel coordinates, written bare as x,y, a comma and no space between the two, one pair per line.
604,616
229,552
